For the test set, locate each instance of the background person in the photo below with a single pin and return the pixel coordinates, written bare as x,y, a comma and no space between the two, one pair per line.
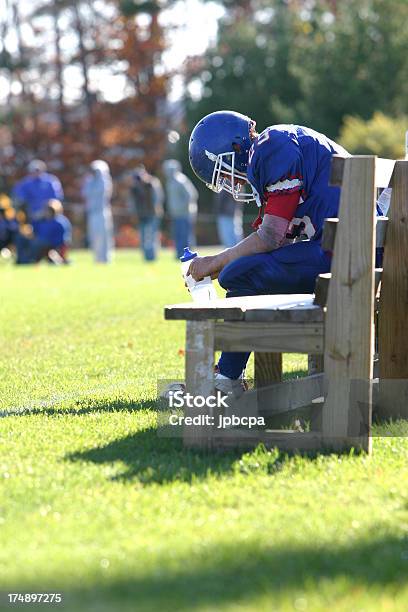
34,191
48,237
8,223
181,204
97,193
146,194
229,215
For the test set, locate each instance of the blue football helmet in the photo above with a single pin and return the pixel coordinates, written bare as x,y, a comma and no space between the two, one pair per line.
218,151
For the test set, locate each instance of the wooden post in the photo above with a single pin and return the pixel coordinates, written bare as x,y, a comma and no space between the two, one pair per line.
348,357
199,379
268,369
315,364
393,316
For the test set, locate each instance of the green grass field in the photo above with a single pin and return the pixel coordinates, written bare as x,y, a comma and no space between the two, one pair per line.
95,505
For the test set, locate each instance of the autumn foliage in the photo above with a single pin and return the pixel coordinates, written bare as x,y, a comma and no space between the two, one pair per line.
42,120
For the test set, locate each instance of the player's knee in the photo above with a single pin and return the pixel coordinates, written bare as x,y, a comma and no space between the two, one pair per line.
229,275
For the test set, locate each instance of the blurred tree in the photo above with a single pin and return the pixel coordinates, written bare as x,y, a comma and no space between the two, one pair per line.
353,61
250,69
305,61
381,135
114,108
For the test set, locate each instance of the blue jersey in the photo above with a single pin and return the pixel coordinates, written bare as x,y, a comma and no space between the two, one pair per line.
290,158
50,231
35,191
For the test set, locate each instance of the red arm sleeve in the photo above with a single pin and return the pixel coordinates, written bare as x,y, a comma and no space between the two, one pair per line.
282,204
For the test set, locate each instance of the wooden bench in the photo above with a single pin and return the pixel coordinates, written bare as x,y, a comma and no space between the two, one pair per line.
335,326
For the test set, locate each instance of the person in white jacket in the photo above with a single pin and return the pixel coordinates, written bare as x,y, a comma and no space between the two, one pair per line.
181,201
97,193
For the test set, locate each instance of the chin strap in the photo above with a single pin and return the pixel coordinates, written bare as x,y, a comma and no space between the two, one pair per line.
257,197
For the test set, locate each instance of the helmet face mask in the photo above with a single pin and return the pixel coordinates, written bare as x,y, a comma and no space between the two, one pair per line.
219,150
225,177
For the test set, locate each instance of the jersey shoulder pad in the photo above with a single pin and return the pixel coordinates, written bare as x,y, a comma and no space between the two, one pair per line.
275,160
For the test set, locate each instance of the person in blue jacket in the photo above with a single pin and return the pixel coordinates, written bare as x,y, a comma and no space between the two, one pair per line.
48,237
285,171
34,191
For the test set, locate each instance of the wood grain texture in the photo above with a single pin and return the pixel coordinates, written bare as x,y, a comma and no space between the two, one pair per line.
269,337
393,313
350,307
252,308
315,364
291,395
381,231
323,282
322,289
336,170
329,233
268,368
383,170
199,364
330,229
292,441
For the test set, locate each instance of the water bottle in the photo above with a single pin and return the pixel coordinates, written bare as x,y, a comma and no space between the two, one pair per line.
201,291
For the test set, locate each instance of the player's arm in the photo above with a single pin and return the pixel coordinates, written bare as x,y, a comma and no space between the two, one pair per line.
270,235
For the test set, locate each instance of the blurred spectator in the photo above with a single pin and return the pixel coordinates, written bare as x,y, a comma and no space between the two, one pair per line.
181,201
97,192
33,192
229,219
147,197
8,223
47,237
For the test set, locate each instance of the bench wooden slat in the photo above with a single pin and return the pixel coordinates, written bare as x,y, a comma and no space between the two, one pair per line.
330,229
383,170
283,439
381,231
329,233
290,395
269,337
189,311
259,308
323,282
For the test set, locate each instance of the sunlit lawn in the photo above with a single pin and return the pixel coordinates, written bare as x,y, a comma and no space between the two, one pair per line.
95,505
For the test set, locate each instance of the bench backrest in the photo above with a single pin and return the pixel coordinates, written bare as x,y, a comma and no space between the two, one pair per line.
393,320
349,328
382,178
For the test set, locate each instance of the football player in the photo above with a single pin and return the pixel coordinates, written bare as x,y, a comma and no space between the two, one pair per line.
285,171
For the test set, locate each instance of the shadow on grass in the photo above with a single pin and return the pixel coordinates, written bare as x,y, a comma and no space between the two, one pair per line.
235,573
153,459
85,406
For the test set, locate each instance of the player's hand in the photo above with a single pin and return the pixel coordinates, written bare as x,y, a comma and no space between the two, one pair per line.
202,266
